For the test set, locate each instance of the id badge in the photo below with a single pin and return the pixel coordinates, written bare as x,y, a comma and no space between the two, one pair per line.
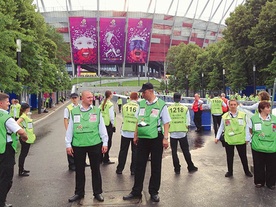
154,112
30,125
142,112
241,122
76,118
258,127
93,118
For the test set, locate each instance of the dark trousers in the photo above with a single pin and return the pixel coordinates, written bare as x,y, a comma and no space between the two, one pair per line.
216,123
110,134
7,162
71,163
119,107
230,156
145,147
185,149
197,119
25,147
94,155
264,168
125,142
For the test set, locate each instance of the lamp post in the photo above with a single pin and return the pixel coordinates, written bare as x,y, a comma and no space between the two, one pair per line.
138,79
39,95
100,80
18,58
187,85
254,78
148,77
223,80
202,83
166,81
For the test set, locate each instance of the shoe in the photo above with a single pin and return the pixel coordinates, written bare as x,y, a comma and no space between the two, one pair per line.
108,163
8,205
228,174
75,198
177,171
259,185
99,197
193,169
155,198
249,174
119,172
23,174
26,171
271,187
131,196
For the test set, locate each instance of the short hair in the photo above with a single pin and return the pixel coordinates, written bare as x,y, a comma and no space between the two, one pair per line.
215,93
3,96
264,96
177,97
262,105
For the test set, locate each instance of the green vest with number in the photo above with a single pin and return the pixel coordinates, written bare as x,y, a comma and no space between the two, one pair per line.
105,112
85,127
130,121
178,114
17,107
234,128
150,114
216,105
27,125
70,108
119,101
3,133
264,137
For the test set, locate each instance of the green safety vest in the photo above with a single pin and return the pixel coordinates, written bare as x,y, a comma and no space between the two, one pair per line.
263,134
119,101
105,112
3,133
178,114
27,125
234,128
69,107
150,114
85,127
216,105
17,107
130,121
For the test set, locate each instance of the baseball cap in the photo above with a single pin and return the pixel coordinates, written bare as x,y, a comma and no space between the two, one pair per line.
146,86
74,95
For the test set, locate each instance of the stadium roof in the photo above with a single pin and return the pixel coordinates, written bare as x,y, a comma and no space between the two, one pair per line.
209,10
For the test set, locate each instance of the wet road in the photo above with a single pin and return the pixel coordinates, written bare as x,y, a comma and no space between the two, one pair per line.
50,184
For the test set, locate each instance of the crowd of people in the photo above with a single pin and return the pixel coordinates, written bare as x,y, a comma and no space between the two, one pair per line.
148,126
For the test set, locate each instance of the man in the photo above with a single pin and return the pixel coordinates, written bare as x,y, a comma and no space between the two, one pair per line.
130,114
153,113
178,133
74,103
8,144
86,134
15,109
120,103
216,105
236,133
197,108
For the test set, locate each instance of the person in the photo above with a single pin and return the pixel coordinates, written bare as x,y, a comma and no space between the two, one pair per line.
178,133
263,96
236,133
74,103
153,113
225,100
8,143
216,105
120,103
108,38
27,124
263,130
130,114
197,108
107,109
15,109
86,134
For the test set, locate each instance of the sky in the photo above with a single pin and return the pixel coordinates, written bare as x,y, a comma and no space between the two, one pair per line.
162,6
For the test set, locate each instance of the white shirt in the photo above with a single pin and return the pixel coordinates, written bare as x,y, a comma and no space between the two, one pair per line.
177,135
221,128
102,130
66,113
252,107
111,114
11,126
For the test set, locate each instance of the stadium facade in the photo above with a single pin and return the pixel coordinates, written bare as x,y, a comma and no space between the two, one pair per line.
127,43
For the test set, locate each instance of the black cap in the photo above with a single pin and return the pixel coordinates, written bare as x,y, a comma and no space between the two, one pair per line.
176,97
74,95
146,86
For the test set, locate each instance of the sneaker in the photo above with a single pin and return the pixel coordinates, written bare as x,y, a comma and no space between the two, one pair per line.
119,172
193,169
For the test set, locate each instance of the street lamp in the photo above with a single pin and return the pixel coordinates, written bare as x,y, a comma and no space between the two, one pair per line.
166,85
18,58
202,80
187,85
39,95
254,78
223,80
138,79
100,80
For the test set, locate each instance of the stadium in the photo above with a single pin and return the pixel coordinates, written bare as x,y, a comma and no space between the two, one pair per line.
133,39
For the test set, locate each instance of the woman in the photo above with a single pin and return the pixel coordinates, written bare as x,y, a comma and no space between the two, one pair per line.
107,109
263,130
263,96
27,124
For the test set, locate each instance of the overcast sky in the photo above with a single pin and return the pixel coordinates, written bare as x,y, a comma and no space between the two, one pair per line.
142,5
